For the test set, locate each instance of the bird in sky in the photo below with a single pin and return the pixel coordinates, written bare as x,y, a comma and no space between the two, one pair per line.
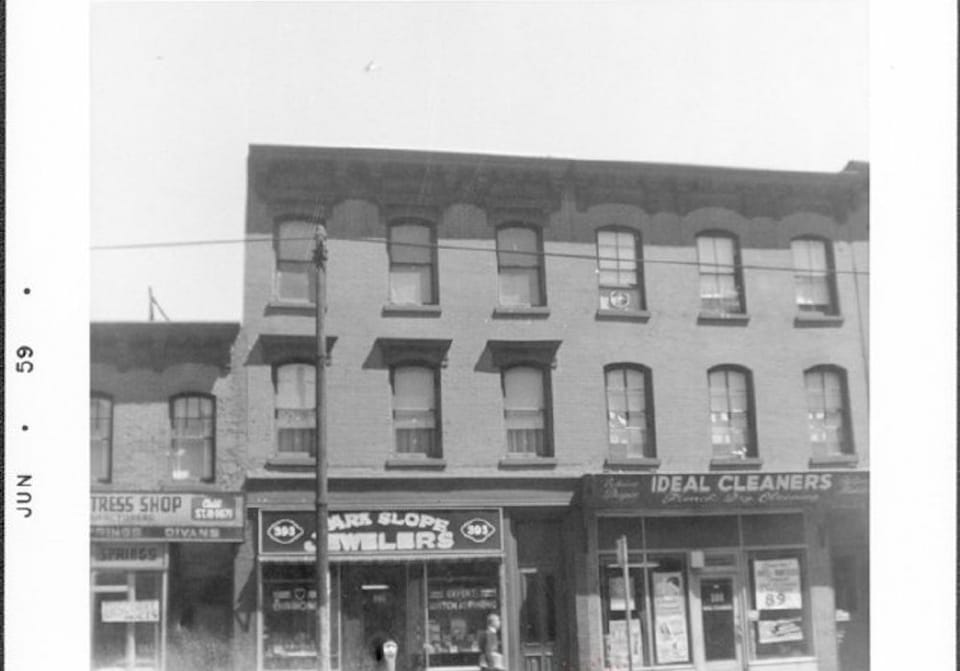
371,66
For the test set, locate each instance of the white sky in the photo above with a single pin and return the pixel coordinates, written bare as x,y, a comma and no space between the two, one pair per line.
179,91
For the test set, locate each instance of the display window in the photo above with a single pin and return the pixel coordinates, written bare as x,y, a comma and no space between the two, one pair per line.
127,620
777,595
460,596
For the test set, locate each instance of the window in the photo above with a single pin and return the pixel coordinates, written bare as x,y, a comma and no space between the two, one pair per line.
412,264
192,418
731,413
779,596
525,412
295,279
721,286
630,411
827,419
296,410
618,267
519,261
415,416
101,437
814,276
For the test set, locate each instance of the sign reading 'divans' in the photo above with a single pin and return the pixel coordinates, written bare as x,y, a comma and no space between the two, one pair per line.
179,516
417,532
727,489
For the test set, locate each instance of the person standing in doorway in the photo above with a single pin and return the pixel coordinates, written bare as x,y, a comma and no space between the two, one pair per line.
490,657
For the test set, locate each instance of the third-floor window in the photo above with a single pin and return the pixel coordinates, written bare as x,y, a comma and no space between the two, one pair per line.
721,283
814,276
295,281
413,268
619,270
520,266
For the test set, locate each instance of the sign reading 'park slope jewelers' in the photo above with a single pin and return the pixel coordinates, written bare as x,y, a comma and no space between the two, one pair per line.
703,490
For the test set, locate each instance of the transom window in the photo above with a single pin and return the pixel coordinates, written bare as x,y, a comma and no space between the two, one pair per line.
412,263
192,418
721,286
619,270
814,275
295,279
629,411
296,410
525,412
827,416
415,416
101,437
731,413
520,266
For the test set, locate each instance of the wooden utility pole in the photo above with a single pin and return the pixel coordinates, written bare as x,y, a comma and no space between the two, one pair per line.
323,558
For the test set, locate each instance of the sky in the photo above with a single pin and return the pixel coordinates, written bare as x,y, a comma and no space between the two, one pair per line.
180,90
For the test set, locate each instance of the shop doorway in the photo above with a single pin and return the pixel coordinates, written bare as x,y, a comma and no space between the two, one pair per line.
127,620
374,604
720,622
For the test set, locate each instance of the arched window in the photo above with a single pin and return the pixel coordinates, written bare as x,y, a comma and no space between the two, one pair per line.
619,270
415,412
295,280
721,281
526,412
814,275
520,266
295,409
828,417
413,278
732,413
629,411
101,437
193,430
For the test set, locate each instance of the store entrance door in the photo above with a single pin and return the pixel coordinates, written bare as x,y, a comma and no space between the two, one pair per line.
374,611
720,619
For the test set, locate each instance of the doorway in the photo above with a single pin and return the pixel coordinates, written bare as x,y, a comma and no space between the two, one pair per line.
373,603
127,620
720,622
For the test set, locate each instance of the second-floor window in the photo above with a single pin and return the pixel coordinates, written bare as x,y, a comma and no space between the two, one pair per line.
526,412
731,413
413,279
827,417
415,416
101,437
296,416
721,286
295,279
814,276
193,426
520,267
630,411
619,270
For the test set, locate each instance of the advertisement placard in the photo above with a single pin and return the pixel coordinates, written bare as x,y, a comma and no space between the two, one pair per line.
777,583
670,617
618,658
130,611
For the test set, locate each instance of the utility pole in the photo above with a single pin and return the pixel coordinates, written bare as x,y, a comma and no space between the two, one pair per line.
320,443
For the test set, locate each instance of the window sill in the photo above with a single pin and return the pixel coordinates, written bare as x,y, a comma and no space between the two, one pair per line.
849,460
398,310
521,312
735,464
814,320
416,463
276,307
723,318
187,485
528,462
605,314
290,462
632,463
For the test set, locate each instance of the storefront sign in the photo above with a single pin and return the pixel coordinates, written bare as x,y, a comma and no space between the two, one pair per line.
379,532
171,516
670,617
777,583
128,556
130,611
705,490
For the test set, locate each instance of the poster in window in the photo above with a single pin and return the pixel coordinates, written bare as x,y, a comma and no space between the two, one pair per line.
777,584
617,657
780,631
618,594
670,617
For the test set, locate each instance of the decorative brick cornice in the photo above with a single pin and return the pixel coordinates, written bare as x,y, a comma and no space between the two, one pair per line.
159,345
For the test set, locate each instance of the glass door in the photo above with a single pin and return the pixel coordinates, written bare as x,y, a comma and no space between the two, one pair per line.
126,620
720,619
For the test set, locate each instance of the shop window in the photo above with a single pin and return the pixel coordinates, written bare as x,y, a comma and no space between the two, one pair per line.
295,409
295,278
814,275
629,411
290,616
721,282
827,417
101,437
731,413
412,251
193,427
127,612
619,270
520,266
460,596
415,412
526,412
778,594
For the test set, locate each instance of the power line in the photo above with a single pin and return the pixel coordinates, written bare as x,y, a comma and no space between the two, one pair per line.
459,248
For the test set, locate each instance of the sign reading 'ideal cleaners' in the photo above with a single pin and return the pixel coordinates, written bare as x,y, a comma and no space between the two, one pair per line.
413,532
171,516
727,489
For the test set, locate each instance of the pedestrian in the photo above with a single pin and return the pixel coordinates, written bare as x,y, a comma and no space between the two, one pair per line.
490,656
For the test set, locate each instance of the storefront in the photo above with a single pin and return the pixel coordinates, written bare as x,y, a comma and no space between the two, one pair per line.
157,562
719,571
424,578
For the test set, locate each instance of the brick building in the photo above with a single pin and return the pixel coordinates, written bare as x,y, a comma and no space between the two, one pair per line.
531,360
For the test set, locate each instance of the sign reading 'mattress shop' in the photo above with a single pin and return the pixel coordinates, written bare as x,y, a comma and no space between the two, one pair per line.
383,532
170,516
704,490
